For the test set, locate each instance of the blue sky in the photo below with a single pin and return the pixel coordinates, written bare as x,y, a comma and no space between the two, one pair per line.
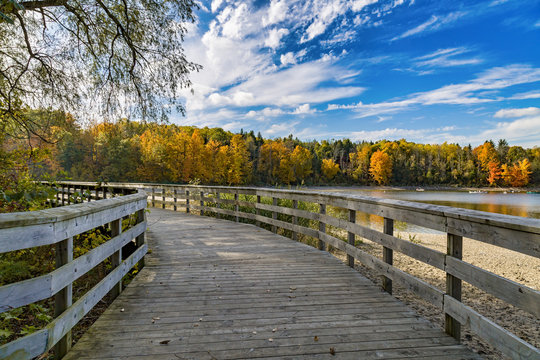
426,71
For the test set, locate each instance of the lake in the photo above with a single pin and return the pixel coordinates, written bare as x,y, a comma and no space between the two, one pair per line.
518,204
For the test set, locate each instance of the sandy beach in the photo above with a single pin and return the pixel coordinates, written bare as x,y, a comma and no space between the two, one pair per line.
511,265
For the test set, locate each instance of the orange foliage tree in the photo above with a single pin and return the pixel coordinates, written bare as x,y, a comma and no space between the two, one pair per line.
518,174
380,167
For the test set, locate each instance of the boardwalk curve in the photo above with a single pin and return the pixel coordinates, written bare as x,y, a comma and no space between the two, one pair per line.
214,289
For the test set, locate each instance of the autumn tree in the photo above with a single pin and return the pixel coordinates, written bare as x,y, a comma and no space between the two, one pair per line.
119,57
518,174
381,167
360,161
240,166
329,169
301,160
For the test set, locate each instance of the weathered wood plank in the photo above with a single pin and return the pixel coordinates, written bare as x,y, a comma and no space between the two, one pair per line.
512,292
503,340
42,287
232,287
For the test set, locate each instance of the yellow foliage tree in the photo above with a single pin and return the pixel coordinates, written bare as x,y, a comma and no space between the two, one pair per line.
301,160
380,167
329,168
240,166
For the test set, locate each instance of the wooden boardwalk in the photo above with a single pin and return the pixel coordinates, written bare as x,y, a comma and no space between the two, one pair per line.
214,289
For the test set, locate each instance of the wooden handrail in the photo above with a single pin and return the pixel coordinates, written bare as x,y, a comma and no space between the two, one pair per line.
509,232
59,226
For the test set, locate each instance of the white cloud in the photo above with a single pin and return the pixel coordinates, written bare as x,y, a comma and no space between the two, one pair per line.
303,109
515,113
471,92
446,58
277,12
434,23
283,129
288,58
526,95
274,37
215,5
524,131
537,24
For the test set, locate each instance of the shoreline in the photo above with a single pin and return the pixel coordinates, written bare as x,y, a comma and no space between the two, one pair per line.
426,188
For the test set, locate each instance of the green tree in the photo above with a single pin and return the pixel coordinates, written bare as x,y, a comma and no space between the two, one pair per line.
124,57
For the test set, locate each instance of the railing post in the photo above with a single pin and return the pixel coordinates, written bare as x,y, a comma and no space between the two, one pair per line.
63,192
257,211
174,199
236,208
68,195
388,254
64,298
351,237
153,197
89,193
105,192
454,248
139,240
163,198
116,258
274,214
187,201
218,204
202,203
295,220
322,226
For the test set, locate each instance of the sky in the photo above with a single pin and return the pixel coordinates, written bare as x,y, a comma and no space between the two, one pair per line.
427,71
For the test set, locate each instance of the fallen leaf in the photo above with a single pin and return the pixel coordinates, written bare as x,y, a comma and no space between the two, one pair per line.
122,310
271,340
274,329
164,342
200,319
332,351
292,288
315,338
155,318
291,296
255,333
195,325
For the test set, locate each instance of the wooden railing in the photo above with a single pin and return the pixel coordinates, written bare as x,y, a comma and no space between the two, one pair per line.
57,227
280,209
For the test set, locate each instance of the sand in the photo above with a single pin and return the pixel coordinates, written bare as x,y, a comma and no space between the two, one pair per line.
521,268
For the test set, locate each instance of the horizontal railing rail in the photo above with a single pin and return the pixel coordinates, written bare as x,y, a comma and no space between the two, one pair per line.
57,226
280,209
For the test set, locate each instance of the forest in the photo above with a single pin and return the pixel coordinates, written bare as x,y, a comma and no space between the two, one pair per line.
166,153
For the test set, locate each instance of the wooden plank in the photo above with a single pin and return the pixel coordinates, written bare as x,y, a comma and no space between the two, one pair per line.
65,322
27,347
416,251
524,242
512,292
351,238
322,226
64,298
453,284
61,223
42,287
388,256
116,257
424,290
501,339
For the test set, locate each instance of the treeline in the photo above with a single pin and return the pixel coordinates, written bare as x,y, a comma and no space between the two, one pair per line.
132,151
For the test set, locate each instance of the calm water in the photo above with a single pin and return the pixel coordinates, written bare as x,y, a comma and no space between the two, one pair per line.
518,204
